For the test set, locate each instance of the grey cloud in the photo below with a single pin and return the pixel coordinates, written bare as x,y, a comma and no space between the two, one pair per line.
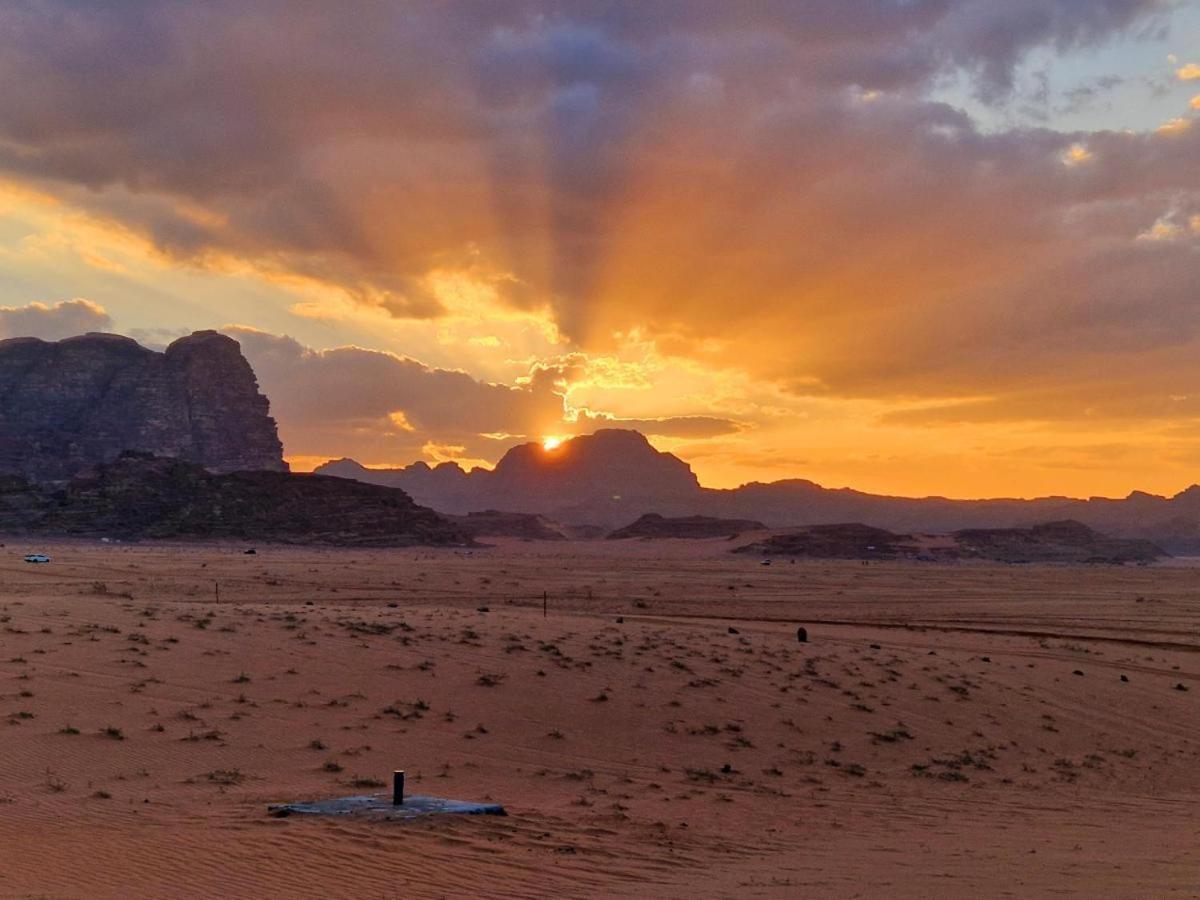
54,321
695,427
348,388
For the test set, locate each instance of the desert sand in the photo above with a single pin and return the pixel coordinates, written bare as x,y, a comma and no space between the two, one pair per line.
969,730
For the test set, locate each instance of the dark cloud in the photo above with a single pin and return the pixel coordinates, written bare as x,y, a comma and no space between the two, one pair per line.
349,400
694,427
53,322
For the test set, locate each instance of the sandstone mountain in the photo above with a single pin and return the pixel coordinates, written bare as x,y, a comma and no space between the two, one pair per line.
142,496
610,478
66,406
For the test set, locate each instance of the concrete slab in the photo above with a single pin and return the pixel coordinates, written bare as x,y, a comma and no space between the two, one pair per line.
381,807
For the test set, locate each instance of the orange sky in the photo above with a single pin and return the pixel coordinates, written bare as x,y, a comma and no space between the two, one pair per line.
931,248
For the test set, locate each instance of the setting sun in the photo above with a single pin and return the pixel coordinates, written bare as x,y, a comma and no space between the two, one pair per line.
552,442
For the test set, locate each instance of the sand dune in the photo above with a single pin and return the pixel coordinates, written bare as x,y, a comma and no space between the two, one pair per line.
948,730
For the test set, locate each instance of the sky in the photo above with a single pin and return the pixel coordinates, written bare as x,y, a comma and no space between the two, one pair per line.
911,246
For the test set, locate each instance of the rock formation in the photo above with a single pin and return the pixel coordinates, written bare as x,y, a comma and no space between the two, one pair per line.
526,526
847,541
142,496
1050,542
69,405
653,526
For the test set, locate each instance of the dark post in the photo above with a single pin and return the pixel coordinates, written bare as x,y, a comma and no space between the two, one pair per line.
545,601
802,635
398,787
217,590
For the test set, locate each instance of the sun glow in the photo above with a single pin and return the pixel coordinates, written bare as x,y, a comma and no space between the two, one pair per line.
552,442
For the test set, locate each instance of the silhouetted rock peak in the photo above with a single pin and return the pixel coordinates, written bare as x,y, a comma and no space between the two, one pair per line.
605,478
68,405
611,460
1189,494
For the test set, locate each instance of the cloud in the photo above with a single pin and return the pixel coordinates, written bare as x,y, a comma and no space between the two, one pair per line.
363,151
704,174
1178,125
53,322
1190,72
1077,154
664,426
1090,94
380,407
353,401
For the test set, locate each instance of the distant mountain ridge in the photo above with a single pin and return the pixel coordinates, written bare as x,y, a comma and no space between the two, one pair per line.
612,477
607,478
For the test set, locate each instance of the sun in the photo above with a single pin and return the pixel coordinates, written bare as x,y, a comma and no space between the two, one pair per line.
552,442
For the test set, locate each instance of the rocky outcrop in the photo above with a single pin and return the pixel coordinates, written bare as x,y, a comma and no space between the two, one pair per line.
1050,542
66,406
526,526
848,541
654,526
1065,541
142,496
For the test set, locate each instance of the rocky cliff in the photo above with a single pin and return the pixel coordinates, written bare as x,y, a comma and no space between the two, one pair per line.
69,405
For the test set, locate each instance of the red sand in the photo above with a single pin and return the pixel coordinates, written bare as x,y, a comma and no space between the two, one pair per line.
931,740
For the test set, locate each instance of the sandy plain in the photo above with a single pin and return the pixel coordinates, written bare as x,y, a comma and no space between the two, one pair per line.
961,730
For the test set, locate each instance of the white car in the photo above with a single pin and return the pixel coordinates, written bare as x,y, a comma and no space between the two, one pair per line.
37,558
